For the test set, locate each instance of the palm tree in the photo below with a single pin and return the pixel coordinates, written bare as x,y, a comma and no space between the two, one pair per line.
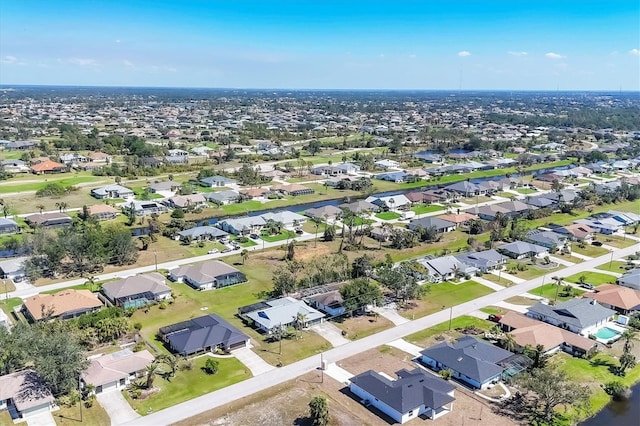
300,320
509,342
151,371
244,254
558,282
316,221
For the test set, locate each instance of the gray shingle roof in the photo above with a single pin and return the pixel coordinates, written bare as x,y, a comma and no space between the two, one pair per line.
580,313
153,283
428,222
198,333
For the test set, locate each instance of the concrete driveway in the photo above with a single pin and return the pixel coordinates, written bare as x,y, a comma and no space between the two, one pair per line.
42,419
252,361
331,333
117,407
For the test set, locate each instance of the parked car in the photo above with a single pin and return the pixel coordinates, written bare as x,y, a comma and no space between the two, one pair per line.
495,317
299,231
254,236
227,250
213,251
596,243
587,286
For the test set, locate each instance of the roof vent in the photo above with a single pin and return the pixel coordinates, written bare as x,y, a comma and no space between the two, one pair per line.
459,359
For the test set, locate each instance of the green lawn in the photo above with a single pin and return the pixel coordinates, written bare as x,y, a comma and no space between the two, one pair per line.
617,241
62,179
189,384
422,209
531,271
525,191
362,326
388,215
421,338
498,280
589,250
615,266
594,278
549,291
70,416
445,294
594,373
7,305
504,194
283,235
492,310
248,243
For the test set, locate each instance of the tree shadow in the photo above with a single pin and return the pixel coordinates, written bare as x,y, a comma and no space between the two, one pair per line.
303,421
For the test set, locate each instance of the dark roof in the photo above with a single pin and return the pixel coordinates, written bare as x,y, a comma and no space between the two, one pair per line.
580,313
474,358
428,222
411,390
198,333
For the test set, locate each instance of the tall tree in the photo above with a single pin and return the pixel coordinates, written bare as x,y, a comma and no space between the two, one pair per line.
319,411
359,293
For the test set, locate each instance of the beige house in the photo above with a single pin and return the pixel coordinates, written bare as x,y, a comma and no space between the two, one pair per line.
24,394
116,370
64,304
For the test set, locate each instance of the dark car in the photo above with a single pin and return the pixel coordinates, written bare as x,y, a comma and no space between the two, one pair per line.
299,231
254,236
227,250
596,243
587,286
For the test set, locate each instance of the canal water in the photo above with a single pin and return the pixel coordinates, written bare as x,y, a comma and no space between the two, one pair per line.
618,413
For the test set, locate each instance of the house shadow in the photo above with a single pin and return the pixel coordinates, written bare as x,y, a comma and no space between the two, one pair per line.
346,392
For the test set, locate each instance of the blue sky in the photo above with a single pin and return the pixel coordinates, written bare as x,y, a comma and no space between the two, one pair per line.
445,44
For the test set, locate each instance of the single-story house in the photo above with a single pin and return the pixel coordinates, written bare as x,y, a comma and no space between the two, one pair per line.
522,250
8,226
255,193
99,157
548,239
444,268
348,168
208,275
166,186
540,202
242,225
214,181
619,298
21,145
65,304
103,212
360,207
187,201
330,302
507,208
387,164
114,371
112,191
581,316
48,166
223,197
484,261
287,218
144,208
293,189
273,314
137,290
13,268
471,360
626,218
24,394
630,279
460,219
466,189
576,232
413,394
397,177
202,334
432,222
392,202
49,220
606,226
529,332
201,233
328,213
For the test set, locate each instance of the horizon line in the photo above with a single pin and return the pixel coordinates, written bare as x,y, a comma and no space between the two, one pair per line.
5,86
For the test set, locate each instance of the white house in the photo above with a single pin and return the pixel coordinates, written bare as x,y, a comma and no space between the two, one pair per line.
114,371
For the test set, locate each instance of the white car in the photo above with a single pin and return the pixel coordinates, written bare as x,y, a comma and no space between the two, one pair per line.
213,251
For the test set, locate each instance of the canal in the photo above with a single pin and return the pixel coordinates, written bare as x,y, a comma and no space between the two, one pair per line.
618,413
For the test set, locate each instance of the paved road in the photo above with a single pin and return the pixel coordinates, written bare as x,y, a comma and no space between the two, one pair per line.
231,393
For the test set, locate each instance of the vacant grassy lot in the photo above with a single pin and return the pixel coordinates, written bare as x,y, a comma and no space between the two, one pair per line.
362,326
422,209
70,416
521,300
589,250
189,384
549,291
388,215
615,266
444,295
424,338
498,280
34,183
594,278
531,271
617,241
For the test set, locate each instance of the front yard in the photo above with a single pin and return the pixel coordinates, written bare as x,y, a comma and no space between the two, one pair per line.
594,278
425,337
549,292
615,266
444,295
617,241
388,215
363,325
189,384
589,250
283,235
531,271
70,416
422,208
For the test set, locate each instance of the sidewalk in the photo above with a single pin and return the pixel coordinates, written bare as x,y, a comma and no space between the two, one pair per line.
409,348
391,314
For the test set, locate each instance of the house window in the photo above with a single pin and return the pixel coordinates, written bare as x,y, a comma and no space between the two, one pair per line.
410,413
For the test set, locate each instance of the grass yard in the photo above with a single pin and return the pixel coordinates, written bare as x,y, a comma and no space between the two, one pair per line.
589,250
531,271
594,373
388,215
615,266
549,291
444,294
505,194
617,241
424,337
189,384
7,305
594,278
498,280
70,416
422,209
362,326
34,182
8,286
493,310
521,300
28,203
283,235
525,191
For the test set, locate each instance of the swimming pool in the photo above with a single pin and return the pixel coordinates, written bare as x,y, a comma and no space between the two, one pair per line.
606,333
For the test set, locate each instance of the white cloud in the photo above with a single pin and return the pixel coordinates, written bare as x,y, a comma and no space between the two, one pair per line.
634,52
464,54
83,62
517,53
552,55
9,59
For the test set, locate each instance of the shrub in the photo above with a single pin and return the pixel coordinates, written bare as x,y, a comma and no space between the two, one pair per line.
211,366
446,374
163,305
616,390
139,346
242,239
137,326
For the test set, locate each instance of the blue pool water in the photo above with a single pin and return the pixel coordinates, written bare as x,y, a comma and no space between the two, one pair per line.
606,333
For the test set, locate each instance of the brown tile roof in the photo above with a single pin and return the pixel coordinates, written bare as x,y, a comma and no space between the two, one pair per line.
616,295
458,218
61,303
115,366
254,192
102,208
47,165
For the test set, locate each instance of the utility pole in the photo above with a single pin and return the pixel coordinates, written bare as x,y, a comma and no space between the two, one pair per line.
80,391
450,317
611,260
155,256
